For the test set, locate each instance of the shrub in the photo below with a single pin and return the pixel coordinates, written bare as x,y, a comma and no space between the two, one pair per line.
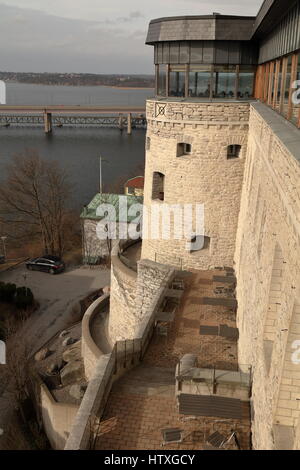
7,291
23,298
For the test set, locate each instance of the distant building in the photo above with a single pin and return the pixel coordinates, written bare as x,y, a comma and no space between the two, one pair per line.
97,222
135,186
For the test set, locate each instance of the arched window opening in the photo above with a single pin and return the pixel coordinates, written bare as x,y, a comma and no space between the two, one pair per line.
158,186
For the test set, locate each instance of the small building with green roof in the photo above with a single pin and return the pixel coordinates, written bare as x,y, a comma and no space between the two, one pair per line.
105,218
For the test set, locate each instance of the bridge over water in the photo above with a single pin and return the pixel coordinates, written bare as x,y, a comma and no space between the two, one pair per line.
63,115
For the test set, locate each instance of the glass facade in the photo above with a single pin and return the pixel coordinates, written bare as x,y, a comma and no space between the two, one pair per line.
246,83
199,82
226,70
224,82
161,80
177,82
205,81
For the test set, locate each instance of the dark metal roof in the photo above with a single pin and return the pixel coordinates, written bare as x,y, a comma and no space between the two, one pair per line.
213,406
198,28
200,17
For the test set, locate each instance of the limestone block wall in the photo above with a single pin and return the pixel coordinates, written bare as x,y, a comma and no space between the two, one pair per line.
132,295
268,272
57,419
205,176
90,352
122,299
93,246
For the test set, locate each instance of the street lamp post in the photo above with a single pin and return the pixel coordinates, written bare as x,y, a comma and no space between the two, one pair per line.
101,161
100,174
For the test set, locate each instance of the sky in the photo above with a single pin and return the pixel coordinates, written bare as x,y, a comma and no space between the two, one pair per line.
92,36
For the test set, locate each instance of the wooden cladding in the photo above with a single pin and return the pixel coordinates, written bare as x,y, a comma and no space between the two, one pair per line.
276,84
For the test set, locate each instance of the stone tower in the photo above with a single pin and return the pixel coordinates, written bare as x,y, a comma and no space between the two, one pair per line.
197,133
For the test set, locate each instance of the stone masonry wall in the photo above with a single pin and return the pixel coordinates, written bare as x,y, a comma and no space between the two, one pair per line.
205,176
268,288
122,320
132,295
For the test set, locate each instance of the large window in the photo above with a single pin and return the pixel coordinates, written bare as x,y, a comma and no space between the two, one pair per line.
224,82
161,80
246,80
199,82
205,81
177,81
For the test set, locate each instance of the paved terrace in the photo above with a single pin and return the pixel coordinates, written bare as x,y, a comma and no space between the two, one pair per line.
143,402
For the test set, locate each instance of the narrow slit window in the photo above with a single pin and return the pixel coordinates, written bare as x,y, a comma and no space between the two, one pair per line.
233,151
158,187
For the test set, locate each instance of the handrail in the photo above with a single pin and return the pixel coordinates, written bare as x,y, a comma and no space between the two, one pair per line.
124,356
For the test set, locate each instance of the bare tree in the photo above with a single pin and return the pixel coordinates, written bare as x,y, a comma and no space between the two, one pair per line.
33,200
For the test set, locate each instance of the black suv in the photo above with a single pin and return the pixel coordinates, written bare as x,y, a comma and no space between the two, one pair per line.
48,263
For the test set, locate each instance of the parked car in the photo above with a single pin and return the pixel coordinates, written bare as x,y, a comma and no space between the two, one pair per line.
48,263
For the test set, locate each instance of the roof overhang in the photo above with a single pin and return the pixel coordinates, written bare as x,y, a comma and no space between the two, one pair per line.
269,15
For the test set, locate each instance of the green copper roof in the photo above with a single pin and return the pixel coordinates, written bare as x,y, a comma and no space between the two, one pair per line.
90,211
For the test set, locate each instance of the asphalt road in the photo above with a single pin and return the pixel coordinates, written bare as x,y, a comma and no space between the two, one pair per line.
57,295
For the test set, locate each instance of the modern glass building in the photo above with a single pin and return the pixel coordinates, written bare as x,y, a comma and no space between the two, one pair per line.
278,35
212,56
221,57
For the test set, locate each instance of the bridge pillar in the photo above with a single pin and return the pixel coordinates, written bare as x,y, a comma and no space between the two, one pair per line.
129,124
121,122
48,122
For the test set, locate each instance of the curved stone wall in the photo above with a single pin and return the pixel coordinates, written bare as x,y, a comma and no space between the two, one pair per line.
131,295
205,176
122,298
89,350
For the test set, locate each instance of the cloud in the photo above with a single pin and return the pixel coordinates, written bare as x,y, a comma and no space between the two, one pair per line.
35,41
96,36
98,10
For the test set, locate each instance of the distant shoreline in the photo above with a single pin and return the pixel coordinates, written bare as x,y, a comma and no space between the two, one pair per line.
81,85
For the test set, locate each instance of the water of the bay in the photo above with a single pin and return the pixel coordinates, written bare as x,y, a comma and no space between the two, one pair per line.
77,149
